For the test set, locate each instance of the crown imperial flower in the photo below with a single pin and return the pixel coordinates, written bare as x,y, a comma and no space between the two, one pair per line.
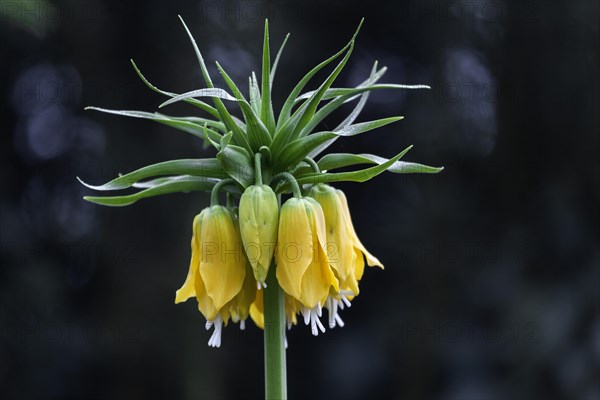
270,262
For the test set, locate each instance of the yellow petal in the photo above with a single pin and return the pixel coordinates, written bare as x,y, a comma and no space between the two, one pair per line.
338,244
188,290
240,304
318,277
222,265
371,259
205,304
294,246
257,310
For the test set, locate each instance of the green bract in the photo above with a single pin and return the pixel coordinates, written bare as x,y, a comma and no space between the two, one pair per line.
287,143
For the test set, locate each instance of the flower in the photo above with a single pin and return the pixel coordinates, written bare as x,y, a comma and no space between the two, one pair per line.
319,258
303,269
259,215
346,252
217,271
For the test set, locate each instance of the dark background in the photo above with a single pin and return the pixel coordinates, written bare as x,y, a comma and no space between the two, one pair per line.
492,279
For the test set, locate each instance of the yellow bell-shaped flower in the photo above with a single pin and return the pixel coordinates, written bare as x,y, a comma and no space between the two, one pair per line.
303,268
360,250
259,215
217,269
340,247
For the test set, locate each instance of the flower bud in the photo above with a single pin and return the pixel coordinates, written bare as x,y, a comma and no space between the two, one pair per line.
259,214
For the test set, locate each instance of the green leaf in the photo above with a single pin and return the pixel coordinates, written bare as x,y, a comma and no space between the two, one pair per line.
294,152
184,124
339,101
207,167
200,104
274,67
257,132
287,133
336,92
210,92
362,175
254,92
237,162
340,160
285,113
226,117
266,108
183,184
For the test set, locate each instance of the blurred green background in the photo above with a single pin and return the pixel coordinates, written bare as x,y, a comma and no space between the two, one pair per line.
492,280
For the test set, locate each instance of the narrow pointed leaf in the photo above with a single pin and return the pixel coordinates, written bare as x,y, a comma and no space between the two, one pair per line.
352,176
226,117
296,151
183,184
207,167
210,92
340,160
336,92
257,132
289,103
182,123
339,101
266,108
198,103
276,63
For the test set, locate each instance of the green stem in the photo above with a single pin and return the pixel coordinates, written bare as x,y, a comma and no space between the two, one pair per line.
313,164
214,195
293,182
274,312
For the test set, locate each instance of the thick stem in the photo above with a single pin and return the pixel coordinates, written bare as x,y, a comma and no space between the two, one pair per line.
274,312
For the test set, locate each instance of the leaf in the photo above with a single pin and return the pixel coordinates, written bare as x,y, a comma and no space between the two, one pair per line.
254,93
257,132
285,113
183,184
340,160
362,175
266,108
200,104
208,168
226,117
209,92
336,92
339,101
181,123
287,133
296,151
236,161
276,63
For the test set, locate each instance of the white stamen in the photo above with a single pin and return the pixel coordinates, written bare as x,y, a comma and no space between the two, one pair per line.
261,285
215,339
243,324
333,305
346,301
306,314
208,325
